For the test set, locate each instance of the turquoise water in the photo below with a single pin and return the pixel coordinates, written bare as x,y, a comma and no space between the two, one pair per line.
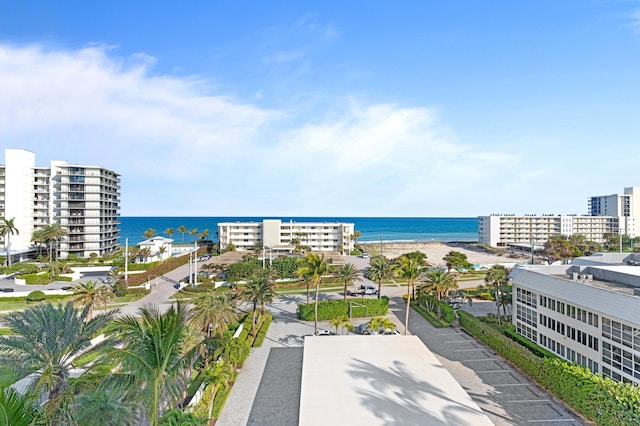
371,228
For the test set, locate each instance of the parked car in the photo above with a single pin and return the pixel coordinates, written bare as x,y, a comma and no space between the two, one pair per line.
325,333
7,290
66,287
362,289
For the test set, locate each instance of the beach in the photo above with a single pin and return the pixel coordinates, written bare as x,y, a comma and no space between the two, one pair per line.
436,251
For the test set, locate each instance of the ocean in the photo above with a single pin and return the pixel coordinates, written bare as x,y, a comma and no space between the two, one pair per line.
372,228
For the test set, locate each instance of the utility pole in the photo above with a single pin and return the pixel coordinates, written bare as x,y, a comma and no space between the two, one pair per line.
126,261
195,264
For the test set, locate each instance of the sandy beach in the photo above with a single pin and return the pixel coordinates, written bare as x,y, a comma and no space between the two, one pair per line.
435,251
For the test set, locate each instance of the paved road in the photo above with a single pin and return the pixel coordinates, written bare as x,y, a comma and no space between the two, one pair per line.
263,394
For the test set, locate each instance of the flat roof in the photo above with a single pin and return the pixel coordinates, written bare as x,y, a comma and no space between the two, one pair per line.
380,380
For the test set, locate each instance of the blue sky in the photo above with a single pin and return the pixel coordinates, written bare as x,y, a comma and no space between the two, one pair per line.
330,108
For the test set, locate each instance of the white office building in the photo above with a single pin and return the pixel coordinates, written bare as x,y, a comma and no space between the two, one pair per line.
586,312
281,236
83,199
607,214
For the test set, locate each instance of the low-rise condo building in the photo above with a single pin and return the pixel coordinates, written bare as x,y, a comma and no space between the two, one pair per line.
282,236
608,214
586,312
83,199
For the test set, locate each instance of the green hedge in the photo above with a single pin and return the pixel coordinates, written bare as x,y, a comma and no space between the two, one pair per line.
535,349
38,279
429,316
598,398
262,332
330,309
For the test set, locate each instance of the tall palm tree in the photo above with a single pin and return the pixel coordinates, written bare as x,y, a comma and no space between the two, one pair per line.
182,229
497,276
52,234
348,274
91,293
152,359
315,267
213,312
149,233
204,234
169,232
194,232
441,283
45,340
259,289
306,276
162,250
7,229
408,268
379,269
38,238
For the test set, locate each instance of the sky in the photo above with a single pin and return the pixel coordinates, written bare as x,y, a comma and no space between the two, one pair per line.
416,108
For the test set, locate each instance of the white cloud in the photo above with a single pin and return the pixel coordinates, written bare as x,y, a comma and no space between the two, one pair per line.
183,148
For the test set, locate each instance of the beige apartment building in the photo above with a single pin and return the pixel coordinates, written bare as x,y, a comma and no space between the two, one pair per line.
280,236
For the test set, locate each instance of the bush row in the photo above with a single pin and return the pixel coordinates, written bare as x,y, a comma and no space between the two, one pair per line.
598,398
262,332
429,316
331,309
161,269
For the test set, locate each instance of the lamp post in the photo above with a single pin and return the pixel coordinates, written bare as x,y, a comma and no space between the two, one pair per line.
195,264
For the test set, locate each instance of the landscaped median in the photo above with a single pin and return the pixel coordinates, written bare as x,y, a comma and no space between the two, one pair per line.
358,308
598,398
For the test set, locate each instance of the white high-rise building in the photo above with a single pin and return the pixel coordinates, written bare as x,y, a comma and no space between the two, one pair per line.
84,200
607,214
278,235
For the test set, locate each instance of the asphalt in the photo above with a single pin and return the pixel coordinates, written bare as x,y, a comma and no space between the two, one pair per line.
267,389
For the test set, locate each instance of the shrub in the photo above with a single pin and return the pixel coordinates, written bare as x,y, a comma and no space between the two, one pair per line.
120,288
330,309
37,279
485,296
429,316
21,268
164,267
36,296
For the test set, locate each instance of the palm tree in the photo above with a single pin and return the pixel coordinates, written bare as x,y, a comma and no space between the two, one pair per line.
16,409
408,268
52,234
39,238
153,358
213,312
497,276
106,406
7,229
162,250
182,229
217,376
169,232
441,283
149,233
379,269
259,289
144,254
204,234
304,274
45,340
194,232
314,267
348,274
91,293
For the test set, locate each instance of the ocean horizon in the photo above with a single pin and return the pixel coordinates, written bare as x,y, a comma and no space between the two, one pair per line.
372,229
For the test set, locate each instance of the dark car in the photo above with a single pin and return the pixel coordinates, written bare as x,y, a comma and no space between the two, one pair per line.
7,290
66,287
